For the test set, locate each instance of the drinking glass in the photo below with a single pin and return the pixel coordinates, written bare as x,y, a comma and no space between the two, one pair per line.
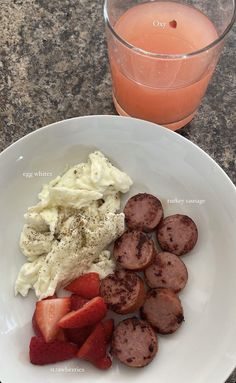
162,55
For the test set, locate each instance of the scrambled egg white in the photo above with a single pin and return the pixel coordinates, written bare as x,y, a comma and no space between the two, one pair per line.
67,231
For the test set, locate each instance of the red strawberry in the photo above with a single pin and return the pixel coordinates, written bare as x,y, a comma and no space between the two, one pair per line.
78,335
48,313
94,347
108,326
42,353
104,363
60,335
77,302
34,323
91,313
87,285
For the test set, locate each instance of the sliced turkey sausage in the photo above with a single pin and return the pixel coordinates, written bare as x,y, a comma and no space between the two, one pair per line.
134,250
123,291
143,212
163,310
177,234
134,342
167,271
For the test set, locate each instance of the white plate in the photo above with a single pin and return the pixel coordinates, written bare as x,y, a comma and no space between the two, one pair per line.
160,162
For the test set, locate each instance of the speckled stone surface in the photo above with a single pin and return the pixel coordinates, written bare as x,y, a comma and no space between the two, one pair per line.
53,66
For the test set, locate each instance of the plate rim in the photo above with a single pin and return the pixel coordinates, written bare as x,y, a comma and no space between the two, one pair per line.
100,116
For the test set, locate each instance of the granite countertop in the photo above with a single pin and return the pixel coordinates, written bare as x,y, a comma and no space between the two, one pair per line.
53,66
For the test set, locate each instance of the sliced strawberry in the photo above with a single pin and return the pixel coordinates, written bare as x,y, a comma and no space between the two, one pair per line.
94,347
77,302
60,335
91,313
87,285
104,363
34,323
109,328
78,335
42,353
48,313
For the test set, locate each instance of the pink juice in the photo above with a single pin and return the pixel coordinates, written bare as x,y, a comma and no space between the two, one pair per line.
162,89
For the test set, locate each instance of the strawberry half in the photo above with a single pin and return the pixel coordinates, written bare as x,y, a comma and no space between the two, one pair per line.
91,313
104,363
77,335
108,326
48,313
60,335
41,353
34,323
87,285
94,347
77,302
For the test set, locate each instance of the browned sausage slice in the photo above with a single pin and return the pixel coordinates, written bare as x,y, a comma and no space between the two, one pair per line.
123,291
134,250
143,212
177,234
167,271
163,310
134,342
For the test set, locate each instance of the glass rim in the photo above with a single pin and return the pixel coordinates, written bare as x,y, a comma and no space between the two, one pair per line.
164,55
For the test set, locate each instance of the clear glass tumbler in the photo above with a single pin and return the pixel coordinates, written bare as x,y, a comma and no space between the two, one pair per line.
163,53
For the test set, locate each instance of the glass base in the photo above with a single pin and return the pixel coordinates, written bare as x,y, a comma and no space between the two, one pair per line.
173,126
